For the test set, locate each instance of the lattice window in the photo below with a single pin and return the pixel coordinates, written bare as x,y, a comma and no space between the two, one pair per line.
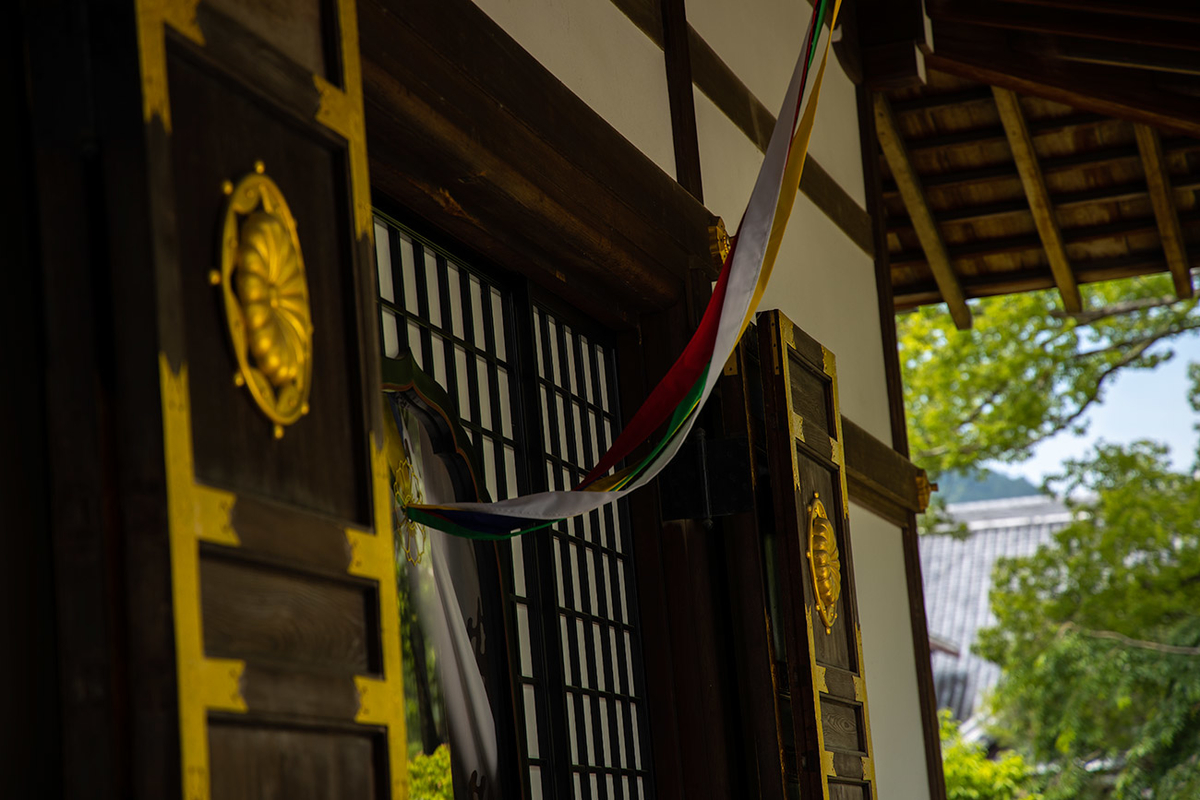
585,728
597,637
457,324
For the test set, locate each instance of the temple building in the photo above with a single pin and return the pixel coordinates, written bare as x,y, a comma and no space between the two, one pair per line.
294,281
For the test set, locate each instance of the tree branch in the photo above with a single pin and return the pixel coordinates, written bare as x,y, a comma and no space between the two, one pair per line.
1134,349
942,450
1092,315
1139,342
1142,644
1139,348
1137,352
977,412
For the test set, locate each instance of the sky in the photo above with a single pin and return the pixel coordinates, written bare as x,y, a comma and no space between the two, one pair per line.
1138,404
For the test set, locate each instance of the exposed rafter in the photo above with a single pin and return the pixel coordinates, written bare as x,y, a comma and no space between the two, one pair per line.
973,213
1030,280
980,135
1026,243
1161,197
1099,157
987,55
1170,10
1039,199
1133,56
918,210
1136,30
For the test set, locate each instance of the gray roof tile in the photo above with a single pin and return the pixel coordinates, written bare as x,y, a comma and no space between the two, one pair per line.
958,578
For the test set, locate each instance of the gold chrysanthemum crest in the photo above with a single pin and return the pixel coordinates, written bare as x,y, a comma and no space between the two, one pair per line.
266,298
824,561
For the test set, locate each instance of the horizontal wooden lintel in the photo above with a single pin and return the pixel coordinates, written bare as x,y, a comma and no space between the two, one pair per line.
469,131
879,478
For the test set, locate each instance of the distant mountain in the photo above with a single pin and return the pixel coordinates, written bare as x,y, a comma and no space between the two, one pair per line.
955,487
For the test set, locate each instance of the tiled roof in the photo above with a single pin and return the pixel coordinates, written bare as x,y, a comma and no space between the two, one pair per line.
958,577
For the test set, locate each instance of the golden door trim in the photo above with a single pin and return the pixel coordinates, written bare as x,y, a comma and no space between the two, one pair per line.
838,449
199,513
819,685
782,337
152,15
195,514
341,110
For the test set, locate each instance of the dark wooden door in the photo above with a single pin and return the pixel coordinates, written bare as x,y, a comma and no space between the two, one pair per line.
282,559
820,688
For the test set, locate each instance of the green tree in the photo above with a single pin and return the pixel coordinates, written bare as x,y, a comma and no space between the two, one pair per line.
429,776
1098,635
1025,371
971,775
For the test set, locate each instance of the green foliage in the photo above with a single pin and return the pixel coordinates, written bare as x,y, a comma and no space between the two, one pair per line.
1194,391
1098,634
971,775
1024,371
411,579
1194,399
429,776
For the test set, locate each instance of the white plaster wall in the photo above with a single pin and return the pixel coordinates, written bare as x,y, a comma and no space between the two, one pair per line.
888,658
728,162
826,285
760,43
822,280
601,56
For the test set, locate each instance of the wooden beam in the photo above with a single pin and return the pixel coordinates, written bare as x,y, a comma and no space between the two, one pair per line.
1023,243
1147,58
926,695
1069,22
883,275
1170,10
1124,191
974,94
918,210
924,293
721,84
1008,171
977,136
681,99
615,235
1162,198
29,579
986,55
723,87
1071,162
879,478
893,37
1039,199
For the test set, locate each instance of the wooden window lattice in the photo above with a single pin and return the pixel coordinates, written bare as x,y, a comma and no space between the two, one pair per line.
576,628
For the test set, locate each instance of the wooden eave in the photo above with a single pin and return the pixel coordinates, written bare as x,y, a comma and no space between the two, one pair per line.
1056,143
466,128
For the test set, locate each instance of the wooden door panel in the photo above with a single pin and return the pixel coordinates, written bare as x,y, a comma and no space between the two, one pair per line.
271,763
282,552
298,29
270,615
826,690
842,725
821,479
220,132
847,791
295,537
